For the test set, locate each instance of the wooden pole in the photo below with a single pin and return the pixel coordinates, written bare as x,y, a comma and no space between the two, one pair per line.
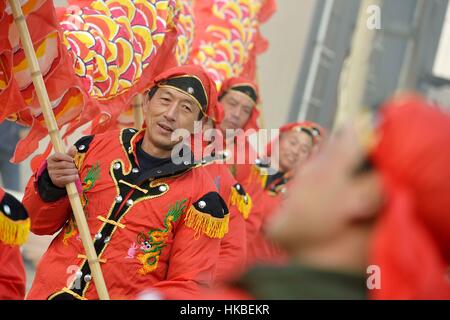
138,114
58,144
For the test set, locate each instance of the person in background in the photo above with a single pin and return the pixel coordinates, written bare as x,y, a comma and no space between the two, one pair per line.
270,182
10,173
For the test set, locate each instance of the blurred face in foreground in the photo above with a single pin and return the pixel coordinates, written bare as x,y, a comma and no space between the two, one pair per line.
331,198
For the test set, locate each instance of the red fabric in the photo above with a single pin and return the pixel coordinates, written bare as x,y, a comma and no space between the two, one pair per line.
11,91
221,27
259,248
59,77
12,273
78,108
233,249
186,260
200,73
252,122
111,109
267,10
13,97
12,270
265,203
412,240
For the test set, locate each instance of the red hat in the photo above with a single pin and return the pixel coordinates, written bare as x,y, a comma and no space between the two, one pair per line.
194,81
247,87
317,130
412,237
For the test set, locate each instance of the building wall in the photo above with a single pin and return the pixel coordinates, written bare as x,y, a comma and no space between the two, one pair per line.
287,32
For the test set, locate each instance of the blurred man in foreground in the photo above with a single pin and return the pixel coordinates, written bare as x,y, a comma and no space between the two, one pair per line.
368,218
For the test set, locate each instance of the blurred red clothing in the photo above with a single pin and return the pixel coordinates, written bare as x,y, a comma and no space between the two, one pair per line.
12,273
14,230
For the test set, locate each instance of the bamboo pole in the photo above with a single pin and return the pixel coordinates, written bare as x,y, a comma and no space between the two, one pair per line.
356,71
58,144
138,114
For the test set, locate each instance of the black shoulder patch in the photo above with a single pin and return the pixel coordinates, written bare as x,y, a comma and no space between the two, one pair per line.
83,143
240,189
14,221
13,208
212,204
208,215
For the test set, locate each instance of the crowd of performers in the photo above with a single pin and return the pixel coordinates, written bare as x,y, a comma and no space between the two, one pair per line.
210,228
360,213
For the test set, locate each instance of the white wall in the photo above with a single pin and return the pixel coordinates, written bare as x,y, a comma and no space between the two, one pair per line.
287,33
442,64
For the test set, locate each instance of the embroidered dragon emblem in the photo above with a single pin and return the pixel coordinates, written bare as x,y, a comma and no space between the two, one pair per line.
89,181
151,244
92,176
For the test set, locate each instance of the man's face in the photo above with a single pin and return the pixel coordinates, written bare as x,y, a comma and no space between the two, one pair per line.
237,109
327,197
167,111
295,149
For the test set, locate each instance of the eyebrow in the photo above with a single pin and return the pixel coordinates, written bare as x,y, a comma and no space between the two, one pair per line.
232,100
184,100
188,101
166,92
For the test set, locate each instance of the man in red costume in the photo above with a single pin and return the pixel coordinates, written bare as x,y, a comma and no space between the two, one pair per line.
294,145
154,223
236,117
236,110
14,229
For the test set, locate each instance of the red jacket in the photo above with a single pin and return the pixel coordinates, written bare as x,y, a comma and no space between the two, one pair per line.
159,228
14,229
233,251
267,194
12,273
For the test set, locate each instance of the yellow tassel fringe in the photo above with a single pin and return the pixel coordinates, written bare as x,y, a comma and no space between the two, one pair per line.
243,206
13,232
259,174
204,222
79,159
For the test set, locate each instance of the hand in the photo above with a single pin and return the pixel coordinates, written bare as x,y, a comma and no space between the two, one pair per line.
61,168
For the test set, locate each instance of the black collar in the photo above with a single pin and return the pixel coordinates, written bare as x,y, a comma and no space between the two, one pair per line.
130,137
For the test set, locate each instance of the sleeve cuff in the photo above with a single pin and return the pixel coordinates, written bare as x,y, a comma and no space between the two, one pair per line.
46,189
